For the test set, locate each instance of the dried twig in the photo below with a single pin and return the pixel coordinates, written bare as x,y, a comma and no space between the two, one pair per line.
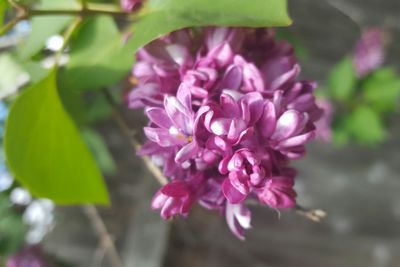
106,240
315,215
120,120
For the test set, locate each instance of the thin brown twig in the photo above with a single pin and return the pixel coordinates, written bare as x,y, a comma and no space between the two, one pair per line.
315,215
85,11
105,237
6,28
121,122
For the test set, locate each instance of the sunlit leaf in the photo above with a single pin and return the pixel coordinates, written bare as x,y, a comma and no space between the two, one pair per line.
161,17
45,26
45,151
98,56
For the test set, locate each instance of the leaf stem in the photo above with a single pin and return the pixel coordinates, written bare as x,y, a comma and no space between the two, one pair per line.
6,28
106,241
67,37
125,129
85,11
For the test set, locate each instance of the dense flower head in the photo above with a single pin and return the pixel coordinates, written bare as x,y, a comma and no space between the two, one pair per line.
227,114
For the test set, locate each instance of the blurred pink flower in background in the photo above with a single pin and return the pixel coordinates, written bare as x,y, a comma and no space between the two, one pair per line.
30,256
324,124
130,5
369,51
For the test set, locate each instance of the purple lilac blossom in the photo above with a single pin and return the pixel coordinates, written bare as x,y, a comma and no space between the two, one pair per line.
30,256
227,115
324,124
369,52
130,5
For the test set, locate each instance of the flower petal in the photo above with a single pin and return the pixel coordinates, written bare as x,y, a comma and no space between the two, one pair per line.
187,152
231,193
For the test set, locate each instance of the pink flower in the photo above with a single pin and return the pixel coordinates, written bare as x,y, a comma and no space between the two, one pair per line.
174,125
238,218
173,199
130,5
369,52
324,124
227,116
278,193
30,256
245,172
235,115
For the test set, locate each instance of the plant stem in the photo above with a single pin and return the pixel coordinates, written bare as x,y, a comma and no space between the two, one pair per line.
11,24
85,11
105,238
67,37
125,129
315,215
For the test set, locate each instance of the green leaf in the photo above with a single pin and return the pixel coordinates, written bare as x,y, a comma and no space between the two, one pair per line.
45,26
98,56
100,151
12,228
382,90
164,16
365,126
45,152
342,80
3,8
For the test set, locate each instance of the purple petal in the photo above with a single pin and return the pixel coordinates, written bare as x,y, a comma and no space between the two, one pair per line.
297,140
187,152
238,218
231,193
290,123
175,189
162,137
232,79
268,120
179,114
159,117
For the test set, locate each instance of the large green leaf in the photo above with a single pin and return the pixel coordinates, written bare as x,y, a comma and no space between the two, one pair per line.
98,56
45,152
164,16
342,80
365,126
46,26
382,90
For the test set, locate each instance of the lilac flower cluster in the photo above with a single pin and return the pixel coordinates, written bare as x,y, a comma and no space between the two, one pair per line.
369,51
227,114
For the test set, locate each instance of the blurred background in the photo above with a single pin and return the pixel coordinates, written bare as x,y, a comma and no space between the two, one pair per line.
357,186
